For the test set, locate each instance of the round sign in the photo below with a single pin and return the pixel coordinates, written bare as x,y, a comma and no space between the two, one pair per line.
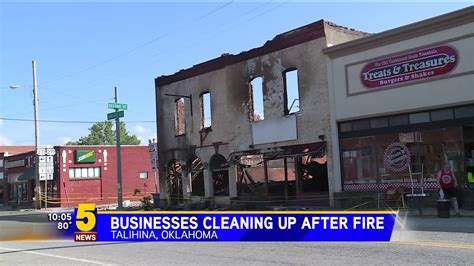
446,179
396,157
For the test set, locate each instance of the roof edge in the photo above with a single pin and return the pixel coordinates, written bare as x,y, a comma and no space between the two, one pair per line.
423,27
281,41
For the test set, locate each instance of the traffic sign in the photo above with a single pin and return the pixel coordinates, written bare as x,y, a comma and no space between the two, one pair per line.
120,106
115,115
50,151
42,177
41,152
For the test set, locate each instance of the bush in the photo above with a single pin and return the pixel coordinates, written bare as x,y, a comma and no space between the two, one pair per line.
146,203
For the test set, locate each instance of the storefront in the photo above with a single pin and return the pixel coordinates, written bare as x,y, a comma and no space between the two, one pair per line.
404,104
20,180
377,153
78,174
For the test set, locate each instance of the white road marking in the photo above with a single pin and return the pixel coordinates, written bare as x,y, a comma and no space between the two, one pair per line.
54,256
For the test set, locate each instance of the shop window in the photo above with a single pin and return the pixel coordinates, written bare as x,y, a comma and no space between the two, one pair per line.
360,125
442,115
77,173
379,122
345,127
206,116
256,105
364,159
23,191
12,191
16,191
84,172
465,111
143,175
179,117
398,120
90,171
359,160
291,91
419,118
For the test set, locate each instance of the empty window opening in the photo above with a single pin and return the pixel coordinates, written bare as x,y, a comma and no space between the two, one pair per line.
256,110
206,116
197,176
291,92
179,123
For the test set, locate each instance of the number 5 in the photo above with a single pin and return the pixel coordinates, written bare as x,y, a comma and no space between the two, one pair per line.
85,210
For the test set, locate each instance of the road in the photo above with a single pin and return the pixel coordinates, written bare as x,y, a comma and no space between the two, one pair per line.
407,246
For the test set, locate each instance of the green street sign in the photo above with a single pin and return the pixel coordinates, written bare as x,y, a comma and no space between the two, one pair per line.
120,106
114,115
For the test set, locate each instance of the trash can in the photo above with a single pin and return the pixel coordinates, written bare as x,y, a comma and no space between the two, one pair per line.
443,208
156,200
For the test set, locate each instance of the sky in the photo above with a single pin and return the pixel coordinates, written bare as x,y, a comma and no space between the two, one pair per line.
83,50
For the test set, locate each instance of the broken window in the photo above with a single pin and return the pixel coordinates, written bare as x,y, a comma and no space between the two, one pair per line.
291,91
179,123
218,166
206,116
174,180
197,176
256,109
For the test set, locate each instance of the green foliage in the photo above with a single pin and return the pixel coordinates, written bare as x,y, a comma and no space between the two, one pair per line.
101,133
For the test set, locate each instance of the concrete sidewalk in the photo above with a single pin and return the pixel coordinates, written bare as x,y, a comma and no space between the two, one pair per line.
433,223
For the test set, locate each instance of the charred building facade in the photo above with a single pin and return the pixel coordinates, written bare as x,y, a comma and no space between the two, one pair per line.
251,128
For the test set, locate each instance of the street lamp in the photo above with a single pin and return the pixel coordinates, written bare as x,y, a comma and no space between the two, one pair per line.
35,104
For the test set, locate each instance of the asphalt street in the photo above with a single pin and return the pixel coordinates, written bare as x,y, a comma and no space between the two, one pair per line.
407,247
428,251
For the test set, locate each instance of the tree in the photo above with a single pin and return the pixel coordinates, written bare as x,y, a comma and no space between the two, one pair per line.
101,133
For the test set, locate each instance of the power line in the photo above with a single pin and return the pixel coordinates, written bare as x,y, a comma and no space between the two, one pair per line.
69,121
136,47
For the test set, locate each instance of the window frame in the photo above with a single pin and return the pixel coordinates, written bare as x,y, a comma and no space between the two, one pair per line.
176,117
203,110
286,111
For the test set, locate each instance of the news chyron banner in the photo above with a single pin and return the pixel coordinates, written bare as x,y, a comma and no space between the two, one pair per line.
88,224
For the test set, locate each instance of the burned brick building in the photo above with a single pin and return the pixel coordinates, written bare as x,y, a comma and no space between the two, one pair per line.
253,127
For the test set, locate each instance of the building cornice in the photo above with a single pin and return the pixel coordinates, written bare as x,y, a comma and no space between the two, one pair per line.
434,24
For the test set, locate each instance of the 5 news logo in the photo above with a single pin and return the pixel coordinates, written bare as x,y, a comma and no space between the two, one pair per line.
86,220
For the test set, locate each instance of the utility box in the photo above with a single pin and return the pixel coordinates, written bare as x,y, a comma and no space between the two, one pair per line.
156,200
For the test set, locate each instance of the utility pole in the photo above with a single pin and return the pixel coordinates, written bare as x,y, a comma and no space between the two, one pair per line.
119,157
35,103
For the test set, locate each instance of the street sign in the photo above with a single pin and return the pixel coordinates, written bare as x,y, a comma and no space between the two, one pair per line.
153,155
50,152
42,177
41,152
115,115
120,106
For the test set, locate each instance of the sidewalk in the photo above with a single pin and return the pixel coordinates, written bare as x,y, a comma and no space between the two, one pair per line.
431,222
433,212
